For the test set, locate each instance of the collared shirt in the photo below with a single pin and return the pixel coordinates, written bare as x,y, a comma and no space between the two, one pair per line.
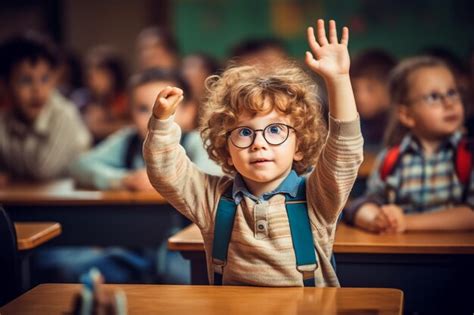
289,186
419,183
42,150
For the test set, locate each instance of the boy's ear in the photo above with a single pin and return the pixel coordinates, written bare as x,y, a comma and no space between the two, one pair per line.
298,156
405,116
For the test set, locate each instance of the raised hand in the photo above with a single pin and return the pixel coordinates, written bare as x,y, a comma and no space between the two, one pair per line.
166,102
328,56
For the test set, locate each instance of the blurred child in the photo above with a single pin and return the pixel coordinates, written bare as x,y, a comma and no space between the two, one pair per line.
103,102
117,162
264,126
157,48
40,131
419,183
195,69
369,75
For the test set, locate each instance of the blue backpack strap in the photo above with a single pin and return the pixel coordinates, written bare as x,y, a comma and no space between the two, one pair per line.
222,232
301,234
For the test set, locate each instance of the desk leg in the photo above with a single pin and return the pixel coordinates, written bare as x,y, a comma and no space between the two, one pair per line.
25,271
198,266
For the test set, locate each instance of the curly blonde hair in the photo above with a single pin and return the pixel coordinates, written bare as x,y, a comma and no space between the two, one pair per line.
253,90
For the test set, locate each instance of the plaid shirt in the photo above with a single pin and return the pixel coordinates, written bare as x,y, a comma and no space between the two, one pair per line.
418,183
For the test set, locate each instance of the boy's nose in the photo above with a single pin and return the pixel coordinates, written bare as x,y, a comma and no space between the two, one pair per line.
259,141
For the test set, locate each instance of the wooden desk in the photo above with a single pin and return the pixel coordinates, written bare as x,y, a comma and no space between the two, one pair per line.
87,217
63,192
200,300
32,234
425,264
353,240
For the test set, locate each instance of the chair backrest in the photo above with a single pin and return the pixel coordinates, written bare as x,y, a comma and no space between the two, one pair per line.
9,263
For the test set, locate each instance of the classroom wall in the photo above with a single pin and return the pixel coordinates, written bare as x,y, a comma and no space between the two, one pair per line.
402,27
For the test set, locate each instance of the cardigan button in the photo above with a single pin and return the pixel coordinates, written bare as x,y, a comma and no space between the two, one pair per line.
261,225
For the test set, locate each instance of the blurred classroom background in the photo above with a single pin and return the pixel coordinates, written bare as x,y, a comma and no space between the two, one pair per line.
114,224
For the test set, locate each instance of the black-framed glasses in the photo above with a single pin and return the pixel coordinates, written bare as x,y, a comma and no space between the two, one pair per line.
437,98
243,137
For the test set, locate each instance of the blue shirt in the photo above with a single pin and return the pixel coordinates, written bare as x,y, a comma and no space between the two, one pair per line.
289,186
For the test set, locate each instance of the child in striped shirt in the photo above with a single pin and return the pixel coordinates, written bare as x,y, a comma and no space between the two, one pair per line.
423,180
265,127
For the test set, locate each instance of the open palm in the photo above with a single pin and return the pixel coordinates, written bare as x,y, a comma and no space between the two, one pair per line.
328,56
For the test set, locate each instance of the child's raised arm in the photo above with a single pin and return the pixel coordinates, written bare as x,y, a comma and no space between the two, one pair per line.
330,59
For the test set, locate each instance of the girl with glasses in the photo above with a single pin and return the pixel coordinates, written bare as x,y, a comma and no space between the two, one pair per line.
423,180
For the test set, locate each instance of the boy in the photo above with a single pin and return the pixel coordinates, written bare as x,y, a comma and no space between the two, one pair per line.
265,127
40,131
117,163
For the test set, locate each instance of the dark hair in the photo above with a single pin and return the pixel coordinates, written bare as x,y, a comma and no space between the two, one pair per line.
106,58
399,87
254,45
373,63
158,75
73,63
30,46
163,36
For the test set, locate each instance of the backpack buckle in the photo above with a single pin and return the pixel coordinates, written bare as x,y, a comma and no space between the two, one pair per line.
307,268
219,265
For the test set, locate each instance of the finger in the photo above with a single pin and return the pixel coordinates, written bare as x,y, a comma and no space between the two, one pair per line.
380,222
332,32
390,215
313,44
174,100
163,102
312,63
173,104
321,33
165,92
177,90
345,36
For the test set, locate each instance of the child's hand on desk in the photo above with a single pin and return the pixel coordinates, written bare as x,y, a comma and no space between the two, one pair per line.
166,102
137,181
331,58
371,218
396,217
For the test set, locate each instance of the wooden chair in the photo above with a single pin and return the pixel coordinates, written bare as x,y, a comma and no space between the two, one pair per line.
9,261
